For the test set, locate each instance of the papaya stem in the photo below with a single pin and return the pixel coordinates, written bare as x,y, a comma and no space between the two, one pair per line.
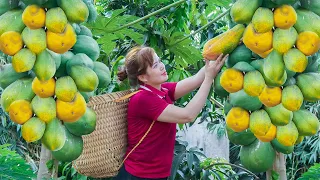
149,15
202,28
240,167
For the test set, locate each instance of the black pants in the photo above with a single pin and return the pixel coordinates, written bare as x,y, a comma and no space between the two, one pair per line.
125,175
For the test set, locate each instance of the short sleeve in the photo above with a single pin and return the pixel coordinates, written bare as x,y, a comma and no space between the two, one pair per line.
150,106
171,86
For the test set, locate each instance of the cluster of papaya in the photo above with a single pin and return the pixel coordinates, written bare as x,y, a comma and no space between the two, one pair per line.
269,77
53,71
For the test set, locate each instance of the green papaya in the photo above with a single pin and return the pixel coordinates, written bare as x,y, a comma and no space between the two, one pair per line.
242,10
258,156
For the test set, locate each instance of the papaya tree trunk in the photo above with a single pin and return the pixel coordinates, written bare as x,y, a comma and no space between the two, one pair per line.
44,172
279,166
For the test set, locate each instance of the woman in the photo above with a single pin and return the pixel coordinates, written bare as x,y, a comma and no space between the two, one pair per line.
152,159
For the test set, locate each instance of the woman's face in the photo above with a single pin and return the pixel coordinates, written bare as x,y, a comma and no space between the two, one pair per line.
156,74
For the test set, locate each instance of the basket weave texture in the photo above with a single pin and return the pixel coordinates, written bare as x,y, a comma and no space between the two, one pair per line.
104,149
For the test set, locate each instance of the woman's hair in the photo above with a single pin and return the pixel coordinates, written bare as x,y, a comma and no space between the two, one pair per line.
137,61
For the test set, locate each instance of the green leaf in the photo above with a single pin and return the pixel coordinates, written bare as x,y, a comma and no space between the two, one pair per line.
312,173
155,3
50,164
13,166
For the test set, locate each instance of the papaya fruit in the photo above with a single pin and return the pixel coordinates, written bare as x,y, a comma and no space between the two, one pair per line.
79,59
287,135
309,85
50,4
56,57
240,54
76,10
306,122
6,5
8,75
260,122
231,80
33,129
85,78
85,125
308,42
217,88
18,90
92,11
257,42
273,67
271,96
45,66
224,43
271,134
85,31
285,16
44,108
71,149
292,98
284,39
61,42
243,100
34,39
307,21
269,4
103,74
258,156
11,21
295,60
43,89
238,119
299,140
87,45
265,54
65,57
87,95
66,89
54,136
245,137
71,111
281,2
253,83
279,115
34,16
243,66
11,42
312,5
262,20
56,20
281,148
38,2
242,10
20,111
24,60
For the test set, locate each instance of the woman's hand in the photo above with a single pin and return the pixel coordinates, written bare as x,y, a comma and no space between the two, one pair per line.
212,68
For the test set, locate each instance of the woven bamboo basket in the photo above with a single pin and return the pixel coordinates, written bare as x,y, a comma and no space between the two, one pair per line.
104,149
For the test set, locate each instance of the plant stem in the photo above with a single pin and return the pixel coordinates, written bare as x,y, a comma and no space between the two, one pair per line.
219,164
149,15
202,28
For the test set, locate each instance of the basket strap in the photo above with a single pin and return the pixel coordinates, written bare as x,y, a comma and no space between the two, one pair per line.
126,96
143,137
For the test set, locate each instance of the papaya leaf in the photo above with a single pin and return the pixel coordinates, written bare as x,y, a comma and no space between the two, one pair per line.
212,5
186,53
13,166
312,173
105,27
